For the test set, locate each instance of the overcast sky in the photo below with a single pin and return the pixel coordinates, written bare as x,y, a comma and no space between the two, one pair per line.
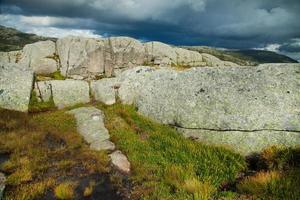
242,24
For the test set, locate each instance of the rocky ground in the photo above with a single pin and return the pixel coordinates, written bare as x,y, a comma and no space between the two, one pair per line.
186,126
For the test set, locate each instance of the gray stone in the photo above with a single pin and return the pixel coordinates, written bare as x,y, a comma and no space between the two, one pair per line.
241,100
40,57
103,145
15,87
104,90
74,54
64,92
231,98
120,161
10,57
243,142
2,184
90,124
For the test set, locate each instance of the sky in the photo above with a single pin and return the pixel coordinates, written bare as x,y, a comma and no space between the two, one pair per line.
235,24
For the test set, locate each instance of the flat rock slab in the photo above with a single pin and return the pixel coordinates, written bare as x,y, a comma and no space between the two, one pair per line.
90,124
15,87
120,161
64,92
2,184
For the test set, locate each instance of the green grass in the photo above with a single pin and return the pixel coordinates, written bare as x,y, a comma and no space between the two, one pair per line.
164,164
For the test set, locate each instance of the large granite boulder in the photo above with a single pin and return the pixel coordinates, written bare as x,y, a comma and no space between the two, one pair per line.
247,108
16,83
64,92
92,57
79,55
40,57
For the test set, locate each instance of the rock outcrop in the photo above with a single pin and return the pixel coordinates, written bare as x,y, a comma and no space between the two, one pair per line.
90,58
64,92
40,57
213,102
90,124
16,84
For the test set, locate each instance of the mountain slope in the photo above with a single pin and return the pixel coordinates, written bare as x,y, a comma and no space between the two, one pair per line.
244,57
12,39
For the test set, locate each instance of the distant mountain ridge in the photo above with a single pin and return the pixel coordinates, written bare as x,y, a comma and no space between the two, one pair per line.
244,57
12,39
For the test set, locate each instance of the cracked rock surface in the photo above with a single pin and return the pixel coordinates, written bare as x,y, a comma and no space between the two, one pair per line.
245,107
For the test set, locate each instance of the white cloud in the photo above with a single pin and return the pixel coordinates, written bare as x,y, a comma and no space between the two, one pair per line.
60,32
44,26
270,47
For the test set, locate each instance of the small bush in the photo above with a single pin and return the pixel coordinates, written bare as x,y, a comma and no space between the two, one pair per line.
64,191
279,157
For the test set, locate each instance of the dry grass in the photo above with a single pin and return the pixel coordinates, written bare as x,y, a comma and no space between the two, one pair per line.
65,191
41,146
258,183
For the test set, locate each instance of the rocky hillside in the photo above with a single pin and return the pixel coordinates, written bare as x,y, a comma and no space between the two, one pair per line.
244,57
12,39
133,120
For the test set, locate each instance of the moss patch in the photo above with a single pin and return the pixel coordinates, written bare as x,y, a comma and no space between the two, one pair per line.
39,106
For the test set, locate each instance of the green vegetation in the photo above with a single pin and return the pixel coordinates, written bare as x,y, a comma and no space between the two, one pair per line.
44,151
48,155
39,106
53,76
165,165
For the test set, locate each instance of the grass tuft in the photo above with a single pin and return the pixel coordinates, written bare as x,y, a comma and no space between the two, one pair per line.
64,191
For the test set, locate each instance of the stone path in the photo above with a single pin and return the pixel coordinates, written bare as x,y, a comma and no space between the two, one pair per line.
2,184
90,124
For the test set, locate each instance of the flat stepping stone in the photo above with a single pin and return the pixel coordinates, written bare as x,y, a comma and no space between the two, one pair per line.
2,184
120,162
90,124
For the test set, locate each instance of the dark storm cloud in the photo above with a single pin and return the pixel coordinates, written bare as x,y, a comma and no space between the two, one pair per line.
226,23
